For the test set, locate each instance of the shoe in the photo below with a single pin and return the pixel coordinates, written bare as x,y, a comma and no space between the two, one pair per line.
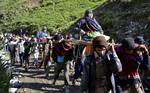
20,65
54,82
73,82
26,69
47,77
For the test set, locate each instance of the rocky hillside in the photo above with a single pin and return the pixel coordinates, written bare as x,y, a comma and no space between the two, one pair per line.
123,19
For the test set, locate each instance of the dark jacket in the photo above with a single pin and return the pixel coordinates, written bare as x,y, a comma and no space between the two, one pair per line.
145,64
12,48
112,63
89,24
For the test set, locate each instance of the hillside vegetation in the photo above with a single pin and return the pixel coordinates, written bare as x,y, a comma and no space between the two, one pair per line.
118,19
58,15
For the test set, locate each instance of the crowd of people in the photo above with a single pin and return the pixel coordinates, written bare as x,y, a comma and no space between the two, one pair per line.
104,66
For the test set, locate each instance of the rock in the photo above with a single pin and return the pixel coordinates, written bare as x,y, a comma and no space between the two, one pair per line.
15,83
13,90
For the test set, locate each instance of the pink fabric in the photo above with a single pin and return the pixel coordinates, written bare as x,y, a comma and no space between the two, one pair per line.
43,40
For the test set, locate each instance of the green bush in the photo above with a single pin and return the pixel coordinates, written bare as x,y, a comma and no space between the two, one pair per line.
4,81
58,15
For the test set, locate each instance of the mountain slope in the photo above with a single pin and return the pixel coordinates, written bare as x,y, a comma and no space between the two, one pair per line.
122,19
58,15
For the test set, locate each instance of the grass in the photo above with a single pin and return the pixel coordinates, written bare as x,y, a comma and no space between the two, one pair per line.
58,15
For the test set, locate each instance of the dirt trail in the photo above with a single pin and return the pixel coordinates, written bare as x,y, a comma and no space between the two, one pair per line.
34,81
